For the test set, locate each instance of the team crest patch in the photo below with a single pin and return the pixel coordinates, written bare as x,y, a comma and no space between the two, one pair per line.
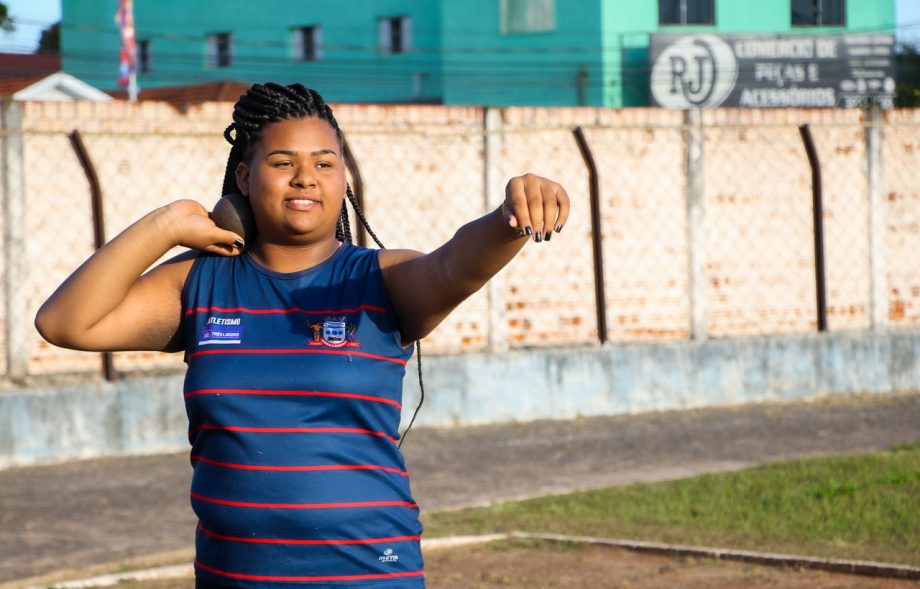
221,330
334,332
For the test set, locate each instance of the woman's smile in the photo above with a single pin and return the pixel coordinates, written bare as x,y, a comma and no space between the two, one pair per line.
301,204
295,181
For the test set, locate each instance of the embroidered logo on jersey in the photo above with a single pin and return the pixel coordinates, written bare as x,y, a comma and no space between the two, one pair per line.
221,330
388,556
334,332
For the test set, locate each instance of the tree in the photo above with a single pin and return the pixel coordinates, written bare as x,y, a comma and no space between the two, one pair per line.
907,64
50,41
6,21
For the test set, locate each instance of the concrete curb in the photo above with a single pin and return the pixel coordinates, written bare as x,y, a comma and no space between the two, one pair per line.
145,562
451,541
164,572
187,570
853,567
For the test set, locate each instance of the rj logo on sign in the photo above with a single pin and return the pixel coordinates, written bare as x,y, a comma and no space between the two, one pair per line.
694,71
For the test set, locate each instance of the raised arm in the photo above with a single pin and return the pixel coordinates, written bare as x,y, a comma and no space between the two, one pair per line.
107,305
424,288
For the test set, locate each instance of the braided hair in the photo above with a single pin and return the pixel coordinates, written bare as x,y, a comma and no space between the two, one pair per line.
263,104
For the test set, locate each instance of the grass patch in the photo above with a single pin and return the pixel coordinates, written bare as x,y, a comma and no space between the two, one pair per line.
863,507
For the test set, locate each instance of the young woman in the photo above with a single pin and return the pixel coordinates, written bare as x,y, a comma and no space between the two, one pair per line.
296,345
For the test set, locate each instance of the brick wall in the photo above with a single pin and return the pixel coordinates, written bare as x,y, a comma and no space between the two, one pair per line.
424,170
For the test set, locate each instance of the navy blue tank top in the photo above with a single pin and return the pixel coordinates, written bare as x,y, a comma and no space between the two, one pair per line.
293,394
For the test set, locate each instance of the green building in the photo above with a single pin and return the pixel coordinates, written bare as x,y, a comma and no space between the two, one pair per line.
495,52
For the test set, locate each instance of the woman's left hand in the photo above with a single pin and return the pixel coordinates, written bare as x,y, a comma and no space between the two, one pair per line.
535,206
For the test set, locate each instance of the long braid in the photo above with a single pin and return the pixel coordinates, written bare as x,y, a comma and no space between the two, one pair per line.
264,104
356,206
343,226
360,214
233,160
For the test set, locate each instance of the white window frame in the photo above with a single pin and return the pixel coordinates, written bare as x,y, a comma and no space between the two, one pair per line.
215,60
386,29
683,16
527,16
820,21
299,42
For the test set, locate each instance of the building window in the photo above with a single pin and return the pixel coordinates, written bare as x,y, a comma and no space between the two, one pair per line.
308,43
220,50
817,13
143,55
395,34
527,16
686,12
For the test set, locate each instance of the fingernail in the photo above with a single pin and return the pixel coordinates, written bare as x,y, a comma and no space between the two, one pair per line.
549,235
528,230
559,229
239,243
538,237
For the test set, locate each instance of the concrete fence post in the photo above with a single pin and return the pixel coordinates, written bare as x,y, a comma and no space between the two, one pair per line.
494,194
16,315
696,217
878,282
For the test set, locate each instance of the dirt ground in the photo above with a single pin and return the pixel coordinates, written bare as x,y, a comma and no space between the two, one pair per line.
93,513
506,565
595,567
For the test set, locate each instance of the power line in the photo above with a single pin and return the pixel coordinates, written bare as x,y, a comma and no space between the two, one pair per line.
527,69
442,30
613,45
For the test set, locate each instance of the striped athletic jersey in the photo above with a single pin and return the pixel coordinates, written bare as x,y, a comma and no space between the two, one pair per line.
293,396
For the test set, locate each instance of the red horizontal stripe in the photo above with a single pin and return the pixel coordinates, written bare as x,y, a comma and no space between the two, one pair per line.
306,505
285,311
310,542
310,578
305,393
291,430
301,468
299,351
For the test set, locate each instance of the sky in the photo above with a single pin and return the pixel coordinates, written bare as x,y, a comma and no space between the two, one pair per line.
35,15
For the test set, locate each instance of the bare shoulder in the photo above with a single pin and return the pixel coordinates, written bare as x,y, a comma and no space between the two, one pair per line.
390,259
171,274
403,271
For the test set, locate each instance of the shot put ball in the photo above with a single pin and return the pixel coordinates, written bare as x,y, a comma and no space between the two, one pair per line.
232,213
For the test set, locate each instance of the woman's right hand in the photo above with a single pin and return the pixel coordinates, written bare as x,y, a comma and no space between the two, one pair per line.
190,226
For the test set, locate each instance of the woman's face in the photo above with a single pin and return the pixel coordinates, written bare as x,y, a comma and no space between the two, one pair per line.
295,182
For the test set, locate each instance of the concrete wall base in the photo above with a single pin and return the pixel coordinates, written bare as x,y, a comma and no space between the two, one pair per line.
146,415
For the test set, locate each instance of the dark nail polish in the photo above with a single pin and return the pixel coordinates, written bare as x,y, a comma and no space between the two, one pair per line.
528,230
559,229
239,243
548,236
538,237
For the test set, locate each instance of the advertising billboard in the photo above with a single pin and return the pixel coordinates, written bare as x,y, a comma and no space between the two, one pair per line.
770,71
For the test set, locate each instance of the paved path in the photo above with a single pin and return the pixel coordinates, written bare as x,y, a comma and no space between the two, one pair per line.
74,515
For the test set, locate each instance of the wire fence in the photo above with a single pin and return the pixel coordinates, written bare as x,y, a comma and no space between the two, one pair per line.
706,224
